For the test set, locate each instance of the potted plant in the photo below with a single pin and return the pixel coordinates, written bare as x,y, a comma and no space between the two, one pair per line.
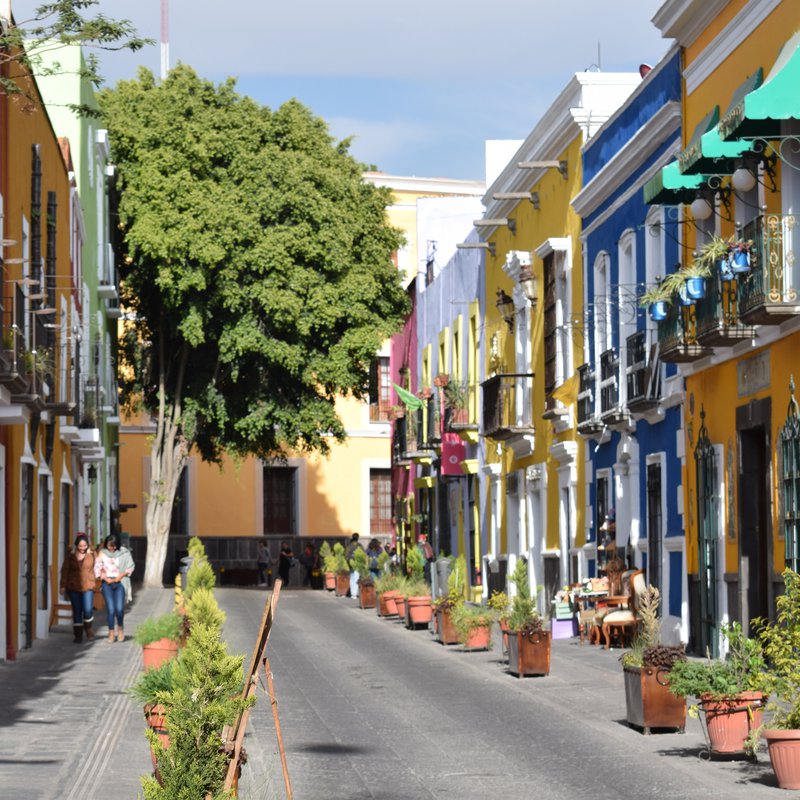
341,569
366,583
741,255
441,379
499,603
203,609
147,690
328,571
400,597
781,642
159,638
445,607
730,691
528,642
646,666
474,626
386,590
657,300
455,400
715,253
416,591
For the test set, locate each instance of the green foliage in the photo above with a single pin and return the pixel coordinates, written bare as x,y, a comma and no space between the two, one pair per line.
199,576
457,579
30,46
203,609
415,564
383,560
499,603
649,631
149,683
781,642
455,394
338,561
467,617
359,562
167,626
523,609
743,670
325,556
386,581
413,588
206,696
196,548
258,264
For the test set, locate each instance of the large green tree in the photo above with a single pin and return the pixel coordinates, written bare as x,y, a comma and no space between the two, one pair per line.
258,276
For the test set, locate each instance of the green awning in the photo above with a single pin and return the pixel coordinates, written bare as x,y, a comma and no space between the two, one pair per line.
760,113
693,152
735,113
669,188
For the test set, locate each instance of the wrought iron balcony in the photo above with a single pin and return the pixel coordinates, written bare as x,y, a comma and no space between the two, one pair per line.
642,374
588,423
399,441
677,336
611,412
768,294
717,314
459,400
508,406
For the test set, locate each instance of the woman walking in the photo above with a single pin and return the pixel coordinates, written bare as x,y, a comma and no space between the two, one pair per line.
77,582
114,567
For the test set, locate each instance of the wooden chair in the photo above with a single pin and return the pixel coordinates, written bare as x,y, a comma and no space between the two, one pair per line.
624,621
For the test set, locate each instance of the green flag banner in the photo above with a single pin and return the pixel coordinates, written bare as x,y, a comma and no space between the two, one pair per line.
412,403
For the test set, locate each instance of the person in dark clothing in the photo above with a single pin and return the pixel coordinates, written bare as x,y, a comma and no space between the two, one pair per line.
285,558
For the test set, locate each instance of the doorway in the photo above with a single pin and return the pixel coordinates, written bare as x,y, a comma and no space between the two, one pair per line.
755,530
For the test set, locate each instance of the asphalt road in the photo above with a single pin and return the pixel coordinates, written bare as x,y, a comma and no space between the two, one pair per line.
369,709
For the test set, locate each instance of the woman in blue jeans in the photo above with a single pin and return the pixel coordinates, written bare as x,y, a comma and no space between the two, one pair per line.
114,565
77,582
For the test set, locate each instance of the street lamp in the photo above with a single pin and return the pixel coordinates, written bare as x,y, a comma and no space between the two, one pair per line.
505,305
527,282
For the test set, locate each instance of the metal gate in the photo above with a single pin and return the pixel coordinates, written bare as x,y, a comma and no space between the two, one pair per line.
707,540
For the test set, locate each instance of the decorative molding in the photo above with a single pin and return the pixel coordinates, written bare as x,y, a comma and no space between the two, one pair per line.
564,452
738,30
552,245
401,183
685,20
648,138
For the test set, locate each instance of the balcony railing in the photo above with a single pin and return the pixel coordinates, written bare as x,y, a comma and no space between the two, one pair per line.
641,373
399,440
677,336
458,405
588,423
508,406
717,314
768,295
609,384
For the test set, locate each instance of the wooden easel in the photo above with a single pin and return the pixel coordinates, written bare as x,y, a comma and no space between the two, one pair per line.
234,735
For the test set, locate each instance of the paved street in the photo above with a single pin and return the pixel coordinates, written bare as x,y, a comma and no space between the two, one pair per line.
368,710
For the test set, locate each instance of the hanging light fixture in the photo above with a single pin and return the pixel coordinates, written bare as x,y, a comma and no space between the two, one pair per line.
92,473
505,305
743,179
527,282
701,209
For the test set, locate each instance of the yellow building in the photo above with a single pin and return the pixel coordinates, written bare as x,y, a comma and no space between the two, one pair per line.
532,457
39,218
737,347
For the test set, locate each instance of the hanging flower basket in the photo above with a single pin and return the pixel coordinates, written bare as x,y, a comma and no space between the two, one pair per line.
658,310
696,288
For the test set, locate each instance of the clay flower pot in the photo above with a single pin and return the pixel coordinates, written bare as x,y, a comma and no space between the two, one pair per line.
342,584
649,702
447,630
386,604
157,653
784,753
154,715
479,638
730,720
419,611
400,602
366,595
330,581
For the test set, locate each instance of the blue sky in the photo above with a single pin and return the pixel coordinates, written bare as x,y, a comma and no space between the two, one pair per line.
419,85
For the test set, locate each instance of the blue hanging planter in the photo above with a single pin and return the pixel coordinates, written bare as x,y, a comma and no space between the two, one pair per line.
725,273
658,310
696,288
685,298
740,261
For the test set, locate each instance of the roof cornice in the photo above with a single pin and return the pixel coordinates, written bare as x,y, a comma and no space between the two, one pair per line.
402,183
685,20
658,129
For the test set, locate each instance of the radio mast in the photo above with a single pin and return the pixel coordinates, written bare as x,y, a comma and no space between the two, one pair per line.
164,39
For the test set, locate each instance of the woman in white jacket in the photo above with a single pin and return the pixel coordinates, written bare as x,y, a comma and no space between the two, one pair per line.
114,566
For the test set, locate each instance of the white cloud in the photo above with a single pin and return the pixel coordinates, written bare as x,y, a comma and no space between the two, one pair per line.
376,142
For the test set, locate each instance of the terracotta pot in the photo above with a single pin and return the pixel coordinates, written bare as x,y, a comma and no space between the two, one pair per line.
730,720
479,638
784,753
154,715
419,611
386,604
447,631
400,602
342,584
529,655
157,653
367,597
330,581
650,703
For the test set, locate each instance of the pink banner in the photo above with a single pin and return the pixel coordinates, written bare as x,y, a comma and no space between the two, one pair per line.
453,453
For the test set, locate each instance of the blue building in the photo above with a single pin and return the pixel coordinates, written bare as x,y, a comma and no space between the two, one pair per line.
629,402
